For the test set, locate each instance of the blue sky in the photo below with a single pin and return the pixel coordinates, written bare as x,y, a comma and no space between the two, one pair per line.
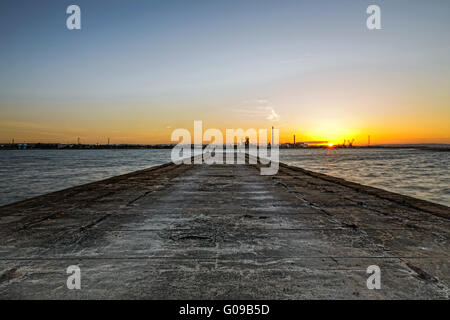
198,58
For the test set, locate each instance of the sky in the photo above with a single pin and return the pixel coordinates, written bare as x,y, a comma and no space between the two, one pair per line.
137,70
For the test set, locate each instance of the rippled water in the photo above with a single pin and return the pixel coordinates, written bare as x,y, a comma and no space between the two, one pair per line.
28,173
421,174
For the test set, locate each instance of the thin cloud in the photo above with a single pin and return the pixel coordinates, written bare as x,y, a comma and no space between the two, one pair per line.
273,116
257,108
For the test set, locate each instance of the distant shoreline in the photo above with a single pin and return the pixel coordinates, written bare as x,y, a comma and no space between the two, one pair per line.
59,146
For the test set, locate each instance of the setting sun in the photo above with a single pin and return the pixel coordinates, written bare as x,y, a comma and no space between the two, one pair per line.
330,145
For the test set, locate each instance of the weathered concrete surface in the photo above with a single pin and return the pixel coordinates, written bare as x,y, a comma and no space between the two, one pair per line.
224,232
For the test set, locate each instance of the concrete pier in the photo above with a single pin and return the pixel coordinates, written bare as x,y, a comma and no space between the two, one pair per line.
224,232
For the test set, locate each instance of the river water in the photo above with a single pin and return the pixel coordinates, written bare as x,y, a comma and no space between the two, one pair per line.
417,173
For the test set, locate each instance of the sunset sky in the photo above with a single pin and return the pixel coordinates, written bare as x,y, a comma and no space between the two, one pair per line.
137,70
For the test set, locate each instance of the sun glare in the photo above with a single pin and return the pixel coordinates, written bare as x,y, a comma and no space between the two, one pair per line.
330,144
